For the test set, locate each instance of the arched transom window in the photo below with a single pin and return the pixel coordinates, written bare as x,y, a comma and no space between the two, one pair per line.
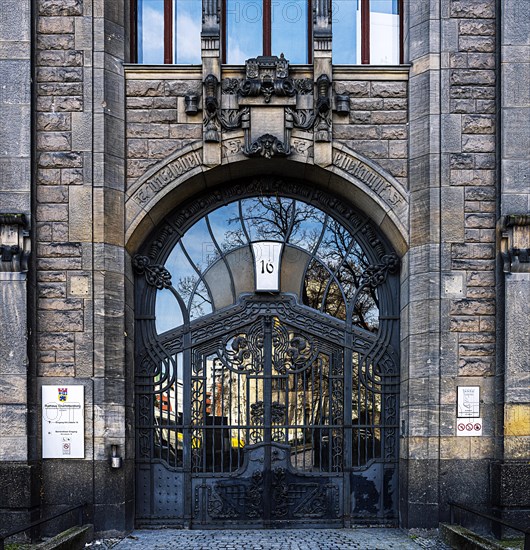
268,244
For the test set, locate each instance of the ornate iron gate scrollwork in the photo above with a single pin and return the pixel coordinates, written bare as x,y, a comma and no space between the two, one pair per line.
267,409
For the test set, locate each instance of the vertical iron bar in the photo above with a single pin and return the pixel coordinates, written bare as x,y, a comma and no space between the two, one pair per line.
267,431
527,540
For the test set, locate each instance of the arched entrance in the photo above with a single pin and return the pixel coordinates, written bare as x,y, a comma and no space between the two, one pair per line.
267,371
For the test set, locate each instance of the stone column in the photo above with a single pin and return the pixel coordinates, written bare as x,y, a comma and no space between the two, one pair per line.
512,474
323,75
18,475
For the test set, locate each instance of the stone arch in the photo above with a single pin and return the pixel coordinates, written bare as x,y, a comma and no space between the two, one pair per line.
349,175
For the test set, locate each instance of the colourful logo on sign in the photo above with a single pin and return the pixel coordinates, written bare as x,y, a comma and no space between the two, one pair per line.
63,393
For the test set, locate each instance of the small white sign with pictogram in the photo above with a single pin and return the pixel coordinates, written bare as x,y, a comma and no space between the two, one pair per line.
468,426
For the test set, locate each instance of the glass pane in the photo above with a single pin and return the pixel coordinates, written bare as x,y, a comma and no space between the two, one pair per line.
151,31
353,268
226,227
334,246
307,227
346,25
316,282
183,275
167,311
244,28
289,29
268,218
201,303
294,262
334,304
384,32
218,280
198,244
366,310
188,20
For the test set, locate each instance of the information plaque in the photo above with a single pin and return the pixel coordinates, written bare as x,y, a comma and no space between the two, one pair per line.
267,256
63,422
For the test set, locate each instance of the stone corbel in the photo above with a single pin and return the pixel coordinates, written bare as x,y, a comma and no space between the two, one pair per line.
515,243
323,109
14,243
211,108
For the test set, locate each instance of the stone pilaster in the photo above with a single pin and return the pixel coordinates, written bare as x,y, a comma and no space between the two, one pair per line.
18,475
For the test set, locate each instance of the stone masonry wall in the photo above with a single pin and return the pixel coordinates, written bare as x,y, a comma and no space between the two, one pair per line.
157,124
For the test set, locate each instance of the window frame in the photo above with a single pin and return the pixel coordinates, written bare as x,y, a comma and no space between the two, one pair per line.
267,30
267,35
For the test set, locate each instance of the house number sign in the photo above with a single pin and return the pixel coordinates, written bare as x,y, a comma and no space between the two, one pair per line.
267,260
63,422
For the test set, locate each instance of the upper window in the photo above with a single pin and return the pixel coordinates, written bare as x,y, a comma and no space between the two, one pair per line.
169,31
266,27
364,31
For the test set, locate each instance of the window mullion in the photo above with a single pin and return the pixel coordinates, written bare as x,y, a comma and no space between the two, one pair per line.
267,25
168,31
365,32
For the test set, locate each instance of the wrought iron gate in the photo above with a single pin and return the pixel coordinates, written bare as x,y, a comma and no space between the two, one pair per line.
267,412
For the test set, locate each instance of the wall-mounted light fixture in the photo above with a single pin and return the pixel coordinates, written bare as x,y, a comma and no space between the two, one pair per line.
191,104
342,104
115,459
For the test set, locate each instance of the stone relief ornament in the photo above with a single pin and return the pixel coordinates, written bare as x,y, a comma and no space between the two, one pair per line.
211,108
267,77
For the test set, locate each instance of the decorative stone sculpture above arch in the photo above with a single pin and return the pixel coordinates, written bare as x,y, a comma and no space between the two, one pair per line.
350,176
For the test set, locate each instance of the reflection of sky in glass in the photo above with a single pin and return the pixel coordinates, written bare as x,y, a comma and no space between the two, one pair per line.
188,20
334,245
308,226
167,311
289,29
200,304
244,28
384,32
226,226
183,275
267,218
198,244
346,28
151,31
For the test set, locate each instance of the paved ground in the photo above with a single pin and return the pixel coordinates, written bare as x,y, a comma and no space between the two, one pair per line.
289,539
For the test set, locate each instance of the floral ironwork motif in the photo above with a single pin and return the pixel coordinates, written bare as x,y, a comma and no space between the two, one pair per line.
376,275
155,275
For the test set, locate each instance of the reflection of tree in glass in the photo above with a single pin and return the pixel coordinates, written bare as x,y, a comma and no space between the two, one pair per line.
346,260
201,303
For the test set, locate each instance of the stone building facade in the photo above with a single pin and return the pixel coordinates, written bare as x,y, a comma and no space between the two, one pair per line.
97,153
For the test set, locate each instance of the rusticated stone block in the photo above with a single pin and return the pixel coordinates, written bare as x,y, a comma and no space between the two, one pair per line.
51,341
59,74
473,9
52,194
51,290
477,27
480,220
57,321
389,89
54,141
52,212
59,250
61,7
464,324
53,264
55,25
472,307
55,41
60,58
55,370
476,366
53,122
478,124
145,88
72,176
59,103
476,43
481,60
481,251
61,160
462,161
472,77
478,143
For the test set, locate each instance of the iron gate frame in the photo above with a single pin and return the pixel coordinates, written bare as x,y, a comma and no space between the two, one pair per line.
375,350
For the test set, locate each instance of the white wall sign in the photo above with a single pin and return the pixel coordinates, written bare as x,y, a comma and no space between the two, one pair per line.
468,426
468,401
63,422
267,261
